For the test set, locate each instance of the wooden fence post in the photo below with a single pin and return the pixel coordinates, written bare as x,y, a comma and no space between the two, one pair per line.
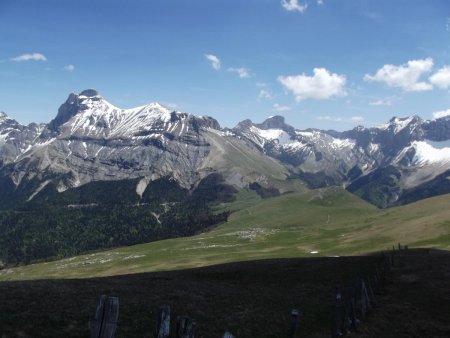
365,303
295,315
95,325
185,327
163,326
106,315
352,304
337,320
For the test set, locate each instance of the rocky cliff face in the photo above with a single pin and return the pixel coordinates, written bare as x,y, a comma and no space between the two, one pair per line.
92,140
379,164
15,138
319,157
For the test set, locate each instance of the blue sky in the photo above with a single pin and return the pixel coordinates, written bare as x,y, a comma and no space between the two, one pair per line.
330,64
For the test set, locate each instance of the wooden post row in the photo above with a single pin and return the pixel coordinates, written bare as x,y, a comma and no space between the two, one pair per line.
104,323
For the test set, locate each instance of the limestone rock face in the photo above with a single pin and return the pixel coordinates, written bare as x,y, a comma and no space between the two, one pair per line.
92,140
405,157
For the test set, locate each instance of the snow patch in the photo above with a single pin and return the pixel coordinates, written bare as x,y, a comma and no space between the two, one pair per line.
305,133
339,143
295,146
311,136
373,147
273,134
431,152
400,124
221,132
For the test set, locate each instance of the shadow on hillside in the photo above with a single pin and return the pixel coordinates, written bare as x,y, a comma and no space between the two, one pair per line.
250,299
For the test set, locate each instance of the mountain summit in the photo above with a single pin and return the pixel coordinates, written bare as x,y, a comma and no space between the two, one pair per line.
92,140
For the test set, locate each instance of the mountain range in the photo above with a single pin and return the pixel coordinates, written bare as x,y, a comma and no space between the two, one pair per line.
98,176
91,140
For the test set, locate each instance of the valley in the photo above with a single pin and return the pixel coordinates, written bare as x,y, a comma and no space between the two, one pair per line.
327,222
99,177
234,160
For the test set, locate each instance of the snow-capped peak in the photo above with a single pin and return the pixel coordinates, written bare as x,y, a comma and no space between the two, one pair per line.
95,102
91,100
163,112
279,135
99,118
90,115
397,124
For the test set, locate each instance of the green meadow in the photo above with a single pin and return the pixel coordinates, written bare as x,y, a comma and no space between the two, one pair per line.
305,223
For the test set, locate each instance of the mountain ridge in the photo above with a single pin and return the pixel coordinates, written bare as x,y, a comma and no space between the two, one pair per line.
90,139
98,176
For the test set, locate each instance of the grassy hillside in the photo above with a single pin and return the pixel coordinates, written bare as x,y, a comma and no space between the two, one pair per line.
329,222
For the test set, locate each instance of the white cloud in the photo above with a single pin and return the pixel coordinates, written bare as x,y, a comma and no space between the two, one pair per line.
329,118
279,108
381,102
215,61
442,113
405,76
30,57
69,68
320,2
340,119
261,84
293,5
441,78
322,85
357,118
243,72
265,94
